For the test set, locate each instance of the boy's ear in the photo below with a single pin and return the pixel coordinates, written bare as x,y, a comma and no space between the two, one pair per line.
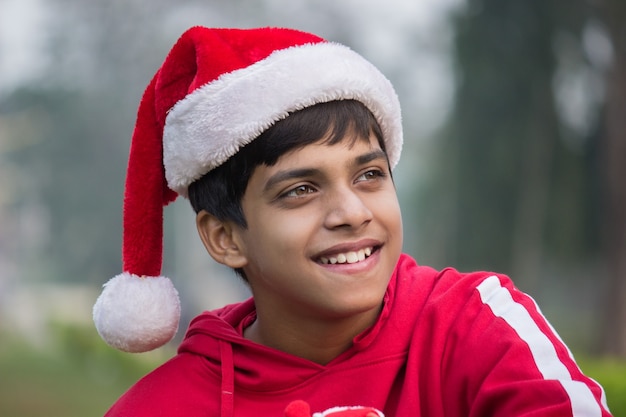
220,240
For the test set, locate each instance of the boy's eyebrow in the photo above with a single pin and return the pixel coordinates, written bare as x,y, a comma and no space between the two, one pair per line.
370,156
309,172
289,175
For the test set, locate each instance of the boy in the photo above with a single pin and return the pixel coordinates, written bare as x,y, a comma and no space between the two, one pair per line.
284,144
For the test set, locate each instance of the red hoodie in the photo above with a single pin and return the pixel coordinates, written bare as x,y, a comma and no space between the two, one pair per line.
445,344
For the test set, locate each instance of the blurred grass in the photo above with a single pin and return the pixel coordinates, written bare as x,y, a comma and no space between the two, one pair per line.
79,376
611,374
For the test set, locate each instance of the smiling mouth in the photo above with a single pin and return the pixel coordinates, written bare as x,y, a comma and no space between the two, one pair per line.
350,257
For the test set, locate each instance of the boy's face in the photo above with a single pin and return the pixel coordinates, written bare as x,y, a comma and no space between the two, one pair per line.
324,231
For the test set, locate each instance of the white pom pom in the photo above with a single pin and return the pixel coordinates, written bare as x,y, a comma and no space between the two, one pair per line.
137,314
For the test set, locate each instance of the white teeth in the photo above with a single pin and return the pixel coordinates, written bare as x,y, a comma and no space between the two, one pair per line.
348,257
352,257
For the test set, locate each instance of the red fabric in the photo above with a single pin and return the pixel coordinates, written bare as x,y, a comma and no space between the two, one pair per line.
298,408
301,408
200,56
145,194
443,346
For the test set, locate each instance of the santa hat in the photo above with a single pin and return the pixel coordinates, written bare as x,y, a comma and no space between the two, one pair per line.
216,91
300,408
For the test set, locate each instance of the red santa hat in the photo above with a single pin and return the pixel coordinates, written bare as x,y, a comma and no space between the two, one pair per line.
300,408
216,91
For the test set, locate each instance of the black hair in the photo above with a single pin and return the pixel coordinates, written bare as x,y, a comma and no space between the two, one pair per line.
219,192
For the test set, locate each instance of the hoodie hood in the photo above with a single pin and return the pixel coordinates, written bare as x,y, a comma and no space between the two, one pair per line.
218,336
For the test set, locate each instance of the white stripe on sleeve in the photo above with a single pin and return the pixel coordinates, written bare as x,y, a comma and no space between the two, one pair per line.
544,354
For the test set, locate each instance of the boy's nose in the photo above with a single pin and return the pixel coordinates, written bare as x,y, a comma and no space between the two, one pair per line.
346,208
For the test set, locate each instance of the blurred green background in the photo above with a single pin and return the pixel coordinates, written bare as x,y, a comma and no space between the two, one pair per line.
514,160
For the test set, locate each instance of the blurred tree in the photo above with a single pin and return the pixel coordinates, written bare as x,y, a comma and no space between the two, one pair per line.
518,184
613,13
70,134
66,184
70,131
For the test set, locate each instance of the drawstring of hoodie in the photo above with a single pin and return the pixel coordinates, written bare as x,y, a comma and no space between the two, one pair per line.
228,379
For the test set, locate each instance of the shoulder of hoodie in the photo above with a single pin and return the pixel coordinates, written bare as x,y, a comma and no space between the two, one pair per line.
424,288
170,389
433,283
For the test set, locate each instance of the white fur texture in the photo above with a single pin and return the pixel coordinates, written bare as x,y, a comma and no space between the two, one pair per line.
339,410
137,314
213,122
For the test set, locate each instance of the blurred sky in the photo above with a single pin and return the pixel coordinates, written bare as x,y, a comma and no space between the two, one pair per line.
385,32
22,41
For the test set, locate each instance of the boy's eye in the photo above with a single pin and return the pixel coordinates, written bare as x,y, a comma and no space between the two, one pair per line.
299,191
371,175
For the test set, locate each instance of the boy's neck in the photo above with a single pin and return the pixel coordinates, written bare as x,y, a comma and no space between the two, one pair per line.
319,342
